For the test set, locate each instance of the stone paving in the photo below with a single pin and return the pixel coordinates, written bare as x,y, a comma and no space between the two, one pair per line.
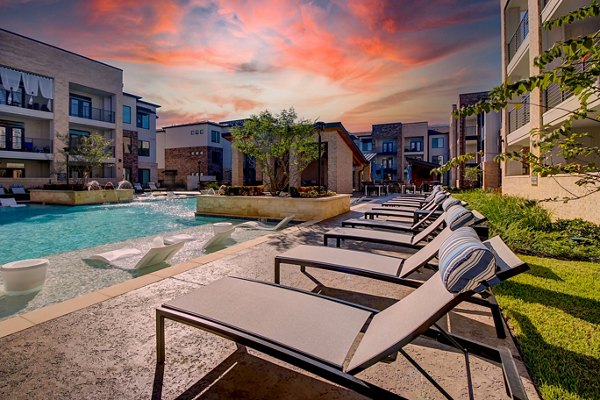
107,350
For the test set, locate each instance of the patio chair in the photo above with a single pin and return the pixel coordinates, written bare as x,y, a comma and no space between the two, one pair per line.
218,238
152,186
260,226
381,267
138,187
18,189
158,253
412,215
10,202
455,219
319,333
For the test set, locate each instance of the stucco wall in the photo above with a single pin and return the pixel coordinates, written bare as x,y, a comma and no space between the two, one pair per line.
587,208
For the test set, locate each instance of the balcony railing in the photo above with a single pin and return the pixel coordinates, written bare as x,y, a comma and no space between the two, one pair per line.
518,117
97,114
22,100
518,38
471,130
29,145
553,96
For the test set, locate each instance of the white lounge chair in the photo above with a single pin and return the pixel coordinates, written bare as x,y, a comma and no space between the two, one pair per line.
258,225
10,202
218,238
152,186
183,237
18,190
158,253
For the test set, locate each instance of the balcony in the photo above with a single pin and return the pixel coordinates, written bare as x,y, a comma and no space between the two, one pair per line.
518,37
519,116
387,151
471,131
96,114
18,103
29,145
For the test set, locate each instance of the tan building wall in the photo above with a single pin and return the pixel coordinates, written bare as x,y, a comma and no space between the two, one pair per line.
65,68
556,187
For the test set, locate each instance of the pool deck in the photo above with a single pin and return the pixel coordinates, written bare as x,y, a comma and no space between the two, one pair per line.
102,345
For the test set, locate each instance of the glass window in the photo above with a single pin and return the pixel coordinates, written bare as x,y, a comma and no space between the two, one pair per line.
144,148
414,144
2,137
439,160
437,143
75,136
143,176
17,138
126,145
215,137
143,120
367,146
127,173
80,107
388,147
216,157
126,115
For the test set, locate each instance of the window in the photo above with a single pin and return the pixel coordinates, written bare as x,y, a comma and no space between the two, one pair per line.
437,143
388,147
215,137
80,106
144,148
127,173
126,145
143,176
196,131
216,157
143,120
439,160
388,163
75,136
2,137
367,145
126,115
414,144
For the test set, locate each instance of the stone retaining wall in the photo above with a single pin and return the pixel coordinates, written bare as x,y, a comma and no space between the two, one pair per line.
74,198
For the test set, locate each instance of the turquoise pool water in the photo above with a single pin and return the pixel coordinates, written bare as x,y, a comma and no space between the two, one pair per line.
41,230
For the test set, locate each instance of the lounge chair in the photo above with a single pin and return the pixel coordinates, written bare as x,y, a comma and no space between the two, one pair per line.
218,238
454,220
138,187
183,237
376,266
158,253
10,202
2,190
318,333
152,186
18,189
260,226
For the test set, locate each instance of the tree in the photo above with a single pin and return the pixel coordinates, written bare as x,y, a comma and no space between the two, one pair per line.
277,142
556,149
88,153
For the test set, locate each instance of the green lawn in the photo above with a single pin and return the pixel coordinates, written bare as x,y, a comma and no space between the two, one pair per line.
554,312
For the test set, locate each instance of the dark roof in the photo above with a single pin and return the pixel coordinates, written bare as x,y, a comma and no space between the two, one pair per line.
131,95
434,132
421,163
147,102
61,49
194,123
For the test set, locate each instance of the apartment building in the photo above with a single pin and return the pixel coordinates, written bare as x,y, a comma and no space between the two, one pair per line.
195,150
478,135
523,39
50,98
139,140
438,147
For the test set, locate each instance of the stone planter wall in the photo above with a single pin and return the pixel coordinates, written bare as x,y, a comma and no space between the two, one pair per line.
273,207
75,198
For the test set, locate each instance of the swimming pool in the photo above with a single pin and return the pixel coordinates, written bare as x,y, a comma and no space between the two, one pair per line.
41,230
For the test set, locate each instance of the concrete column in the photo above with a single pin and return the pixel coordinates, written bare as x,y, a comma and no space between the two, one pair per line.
237,167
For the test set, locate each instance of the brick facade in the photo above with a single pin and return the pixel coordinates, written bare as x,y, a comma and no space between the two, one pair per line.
193,160
130,160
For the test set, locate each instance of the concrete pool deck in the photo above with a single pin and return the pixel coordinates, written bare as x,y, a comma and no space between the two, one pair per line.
105,346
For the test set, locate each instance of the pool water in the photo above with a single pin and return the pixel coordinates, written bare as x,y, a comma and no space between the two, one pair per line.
41,230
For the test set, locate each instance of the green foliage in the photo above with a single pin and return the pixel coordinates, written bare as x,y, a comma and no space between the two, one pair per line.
294,192
277,142
472,175
212,185
91,152
577,73
244,190
527,228
553,310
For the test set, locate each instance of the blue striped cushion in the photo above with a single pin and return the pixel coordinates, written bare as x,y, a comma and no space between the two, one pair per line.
465,262
449,202
440,197
458,216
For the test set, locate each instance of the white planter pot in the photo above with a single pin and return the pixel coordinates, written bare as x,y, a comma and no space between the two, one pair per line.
25,276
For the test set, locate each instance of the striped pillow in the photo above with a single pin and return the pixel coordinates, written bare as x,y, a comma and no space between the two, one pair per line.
465,262
458,216
449,202
440,197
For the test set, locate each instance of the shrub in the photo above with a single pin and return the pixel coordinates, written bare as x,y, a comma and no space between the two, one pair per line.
244,190
528,229
294,192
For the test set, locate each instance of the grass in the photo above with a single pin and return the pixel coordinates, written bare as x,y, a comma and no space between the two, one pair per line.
528,228
554,312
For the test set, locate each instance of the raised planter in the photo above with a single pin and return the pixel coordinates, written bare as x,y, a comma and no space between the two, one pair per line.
273,207
76,198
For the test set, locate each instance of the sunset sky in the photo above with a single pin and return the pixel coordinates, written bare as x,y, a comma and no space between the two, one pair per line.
359,62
